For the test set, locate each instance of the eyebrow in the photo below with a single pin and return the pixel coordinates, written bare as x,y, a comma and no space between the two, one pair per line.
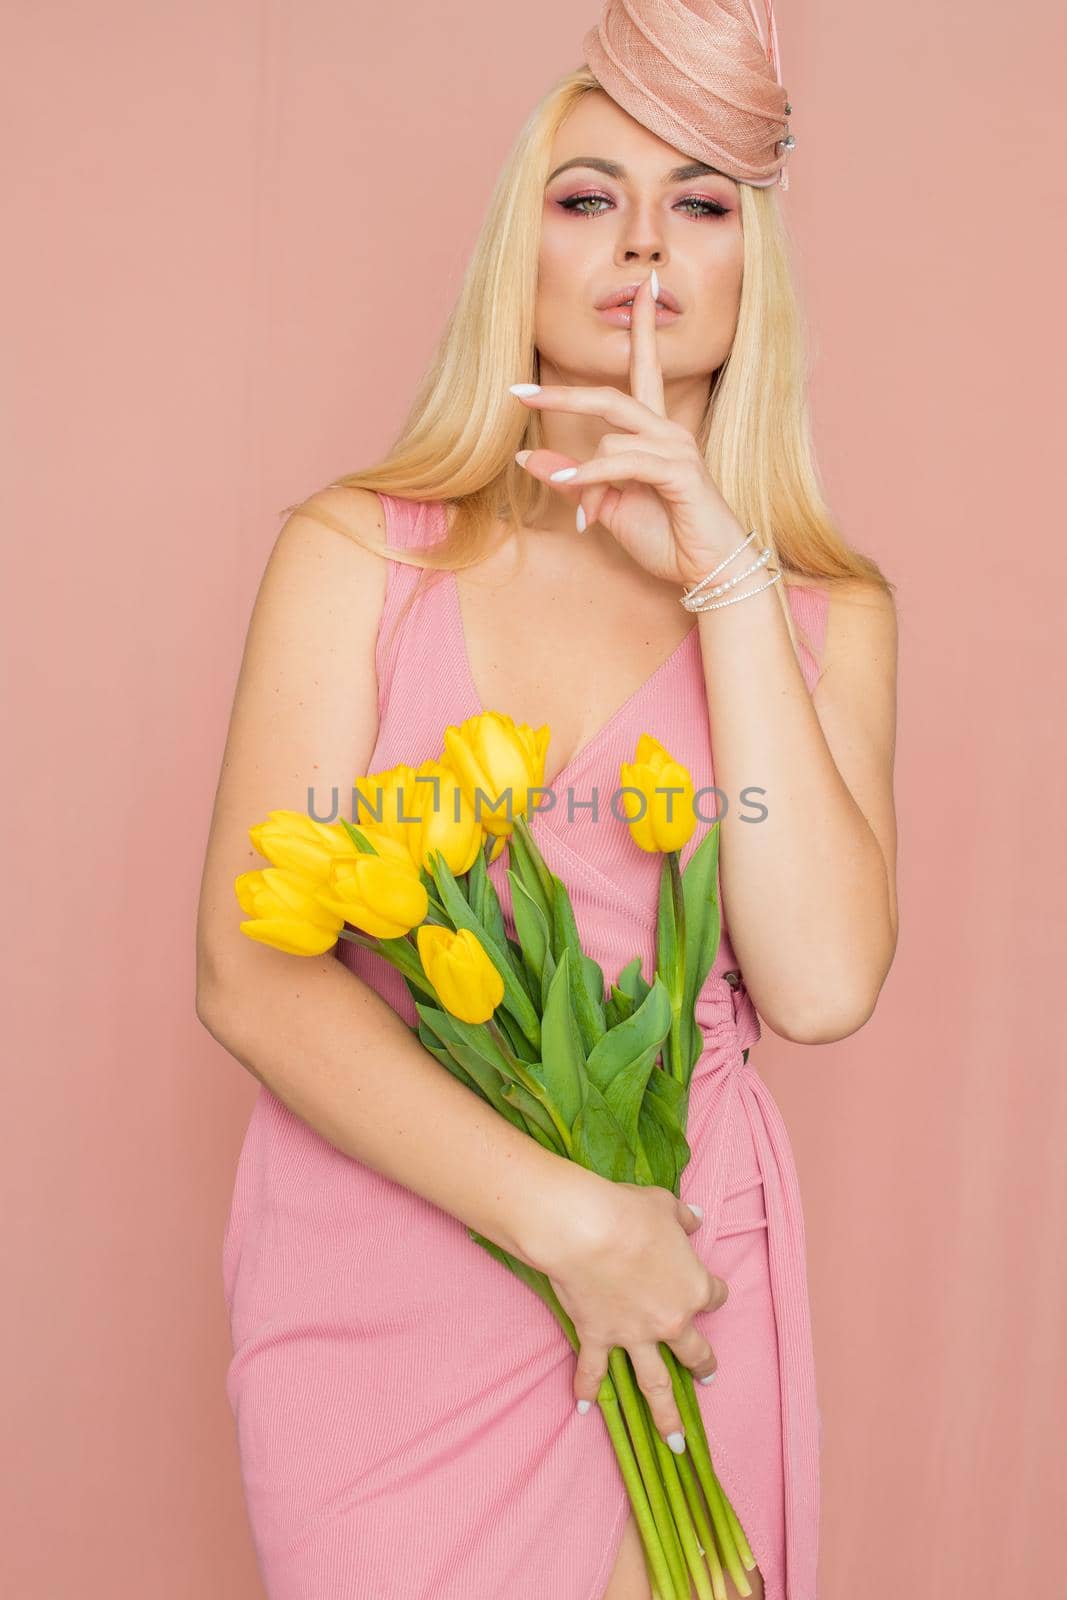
614,169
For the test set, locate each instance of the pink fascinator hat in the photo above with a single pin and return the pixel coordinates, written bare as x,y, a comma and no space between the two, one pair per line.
703,75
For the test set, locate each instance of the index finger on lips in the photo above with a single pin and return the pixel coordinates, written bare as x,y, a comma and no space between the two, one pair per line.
646,374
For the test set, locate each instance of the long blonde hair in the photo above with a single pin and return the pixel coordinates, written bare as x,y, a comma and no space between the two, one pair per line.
459,440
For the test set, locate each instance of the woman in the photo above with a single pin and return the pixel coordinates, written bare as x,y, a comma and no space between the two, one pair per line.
406,1408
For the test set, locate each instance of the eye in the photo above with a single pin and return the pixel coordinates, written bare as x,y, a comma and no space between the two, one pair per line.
714,209
576,203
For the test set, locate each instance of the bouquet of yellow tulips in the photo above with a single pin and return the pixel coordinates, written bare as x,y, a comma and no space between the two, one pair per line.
526,1023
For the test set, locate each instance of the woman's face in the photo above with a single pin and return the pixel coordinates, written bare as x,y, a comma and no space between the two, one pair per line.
605,229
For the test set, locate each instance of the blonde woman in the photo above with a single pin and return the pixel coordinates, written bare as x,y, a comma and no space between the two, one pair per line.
412,1424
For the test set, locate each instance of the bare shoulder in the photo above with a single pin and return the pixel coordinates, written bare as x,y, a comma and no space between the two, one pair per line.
861,622
861,629
322,569
353,513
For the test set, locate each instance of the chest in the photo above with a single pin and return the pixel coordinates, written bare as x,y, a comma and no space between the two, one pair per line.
571,647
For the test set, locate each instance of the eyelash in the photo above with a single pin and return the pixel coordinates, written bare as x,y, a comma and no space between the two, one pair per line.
573,202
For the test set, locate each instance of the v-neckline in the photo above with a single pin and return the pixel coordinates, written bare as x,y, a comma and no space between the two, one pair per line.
596,739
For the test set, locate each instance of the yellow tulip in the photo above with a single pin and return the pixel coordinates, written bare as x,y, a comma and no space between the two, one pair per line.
446,820
654,768
379,894
492,753
286,912
392,794
464,978
292,839
383,844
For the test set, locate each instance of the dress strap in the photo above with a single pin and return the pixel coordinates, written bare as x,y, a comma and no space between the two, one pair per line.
409,525
412,523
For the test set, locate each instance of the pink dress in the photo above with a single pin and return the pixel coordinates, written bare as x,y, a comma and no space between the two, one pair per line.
404,1406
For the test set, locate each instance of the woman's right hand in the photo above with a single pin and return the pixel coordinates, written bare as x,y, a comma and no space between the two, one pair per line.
625,1273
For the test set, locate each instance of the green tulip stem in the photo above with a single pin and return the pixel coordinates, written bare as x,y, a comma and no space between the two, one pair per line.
521,1072
675,977
396,952
735,1553
707,1543
709,1547
628,1449
683,1521
646,1444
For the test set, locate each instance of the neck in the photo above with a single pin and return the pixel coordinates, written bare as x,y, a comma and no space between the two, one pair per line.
578,436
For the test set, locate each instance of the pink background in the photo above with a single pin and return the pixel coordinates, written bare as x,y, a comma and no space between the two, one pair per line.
233,232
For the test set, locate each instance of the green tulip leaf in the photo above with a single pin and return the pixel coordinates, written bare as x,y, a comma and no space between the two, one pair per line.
487,1076
531,925
587,997
522,971
482,896
631,981
594,983
537,1118
616,1009
358,838
546,978
517,1040
528,862
619,1063
562,1055
703,926
599,1140
662,1123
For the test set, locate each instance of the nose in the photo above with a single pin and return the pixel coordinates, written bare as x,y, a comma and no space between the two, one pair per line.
631,255
641,239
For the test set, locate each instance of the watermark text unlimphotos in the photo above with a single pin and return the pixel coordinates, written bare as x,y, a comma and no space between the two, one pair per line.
387,804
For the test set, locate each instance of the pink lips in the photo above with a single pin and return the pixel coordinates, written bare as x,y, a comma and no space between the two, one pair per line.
612,308
622,316
627,291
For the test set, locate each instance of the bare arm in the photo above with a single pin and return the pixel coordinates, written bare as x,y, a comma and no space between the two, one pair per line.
811,888
305,715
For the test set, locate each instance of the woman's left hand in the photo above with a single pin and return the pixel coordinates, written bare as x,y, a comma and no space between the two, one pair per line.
667,512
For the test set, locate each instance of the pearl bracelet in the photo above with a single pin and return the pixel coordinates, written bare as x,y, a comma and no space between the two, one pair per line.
690,598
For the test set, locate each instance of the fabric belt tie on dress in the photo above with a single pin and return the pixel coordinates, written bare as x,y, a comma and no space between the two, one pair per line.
721,1016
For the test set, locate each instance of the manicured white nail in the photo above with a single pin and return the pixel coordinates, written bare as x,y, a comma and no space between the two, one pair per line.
676,1442
579,519
522,456
583,1406
562,475
525,388
698,1211
655,284
709,1377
